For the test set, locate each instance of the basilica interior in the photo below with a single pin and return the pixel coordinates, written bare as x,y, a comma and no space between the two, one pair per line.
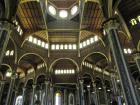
69,52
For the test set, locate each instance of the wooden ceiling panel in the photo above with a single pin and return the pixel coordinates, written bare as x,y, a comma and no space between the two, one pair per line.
92,17
30,15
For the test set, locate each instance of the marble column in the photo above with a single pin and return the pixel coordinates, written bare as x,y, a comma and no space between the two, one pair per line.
10,91
95,94
77,94
23,95
15,96
89,95
130,93
33,94
65,97
137,60
1,89
82,99
47,92
51,94
105,95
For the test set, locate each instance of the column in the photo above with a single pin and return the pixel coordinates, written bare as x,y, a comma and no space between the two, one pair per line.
95,94
1,89
23,95
89,95
51,94
137,60
65,97
82,99
105,94
129,90
78,96
15,96
5,31
10,91
47,92
33,94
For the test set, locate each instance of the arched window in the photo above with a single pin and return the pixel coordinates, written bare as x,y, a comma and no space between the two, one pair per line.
58,98
19,100
138,18
71,99
133,22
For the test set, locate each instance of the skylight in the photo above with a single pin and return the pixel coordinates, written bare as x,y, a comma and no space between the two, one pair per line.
63,14
52,10
74,10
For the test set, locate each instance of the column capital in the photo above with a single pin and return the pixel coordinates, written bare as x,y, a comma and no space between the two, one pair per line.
136,55
110,24
34,85
81,81
47,82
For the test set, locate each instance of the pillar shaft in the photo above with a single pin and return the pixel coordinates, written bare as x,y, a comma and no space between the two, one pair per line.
105,95
23,95
130,93
89,96
82,99
95,94
33,95
65,97
78,96
15,96
10,91
1,90
47,93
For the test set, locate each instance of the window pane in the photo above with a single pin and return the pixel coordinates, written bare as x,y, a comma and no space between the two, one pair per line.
43,44
57,47
46,45
53,47
30,38
39,42
34,40
66,46
74,46
61,46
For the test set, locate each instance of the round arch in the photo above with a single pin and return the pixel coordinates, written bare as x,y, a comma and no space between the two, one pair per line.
62,59
26,54
26,82
91,54
15,49
25,1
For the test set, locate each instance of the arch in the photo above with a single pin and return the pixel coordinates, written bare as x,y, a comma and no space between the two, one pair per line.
91,54
69,99
86,73
10,68
31,34
35,55
15,49
25,1
124,34
41,74
30,79
61,59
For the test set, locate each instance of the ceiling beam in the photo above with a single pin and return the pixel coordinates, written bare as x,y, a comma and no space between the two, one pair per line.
43,4
82,6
